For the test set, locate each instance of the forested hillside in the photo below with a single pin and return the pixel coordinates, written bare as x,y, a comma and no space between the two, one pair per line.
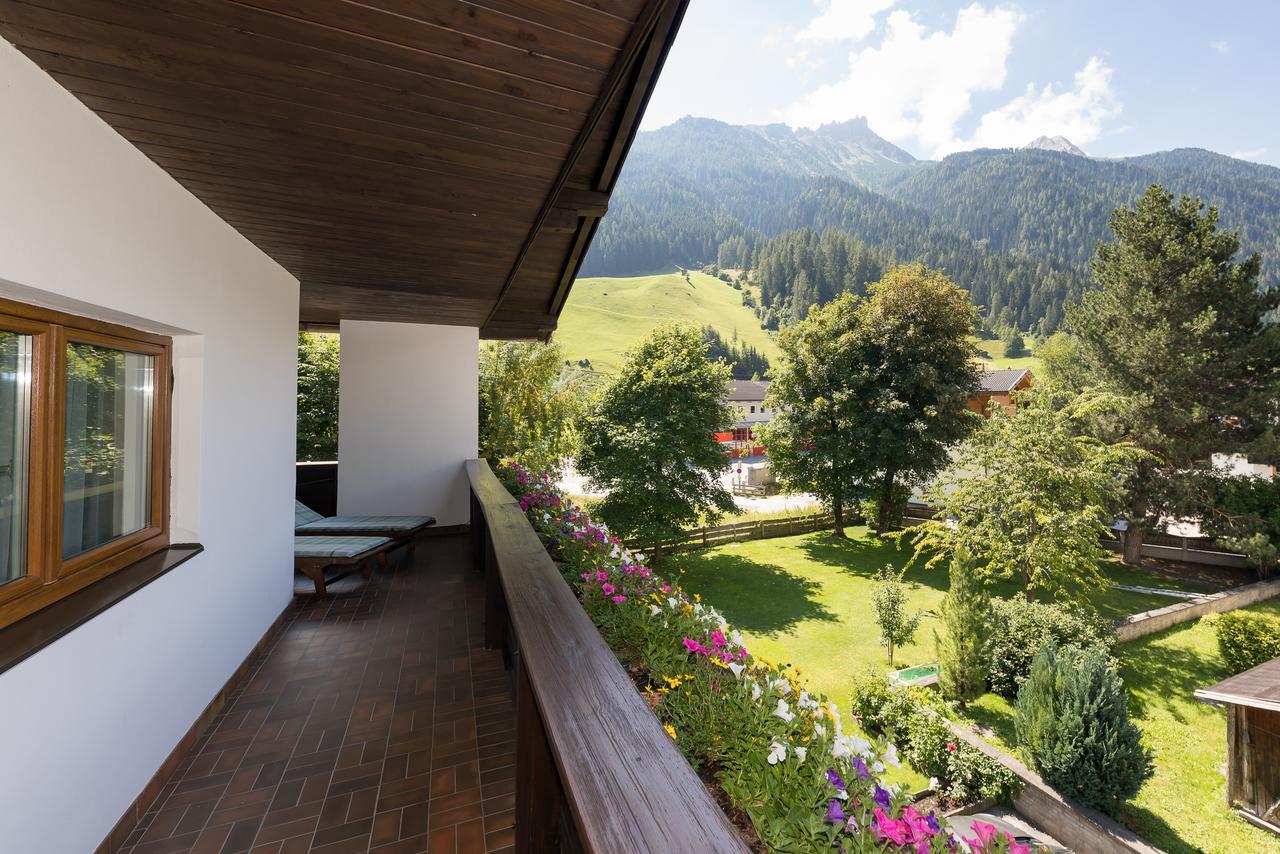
1014,227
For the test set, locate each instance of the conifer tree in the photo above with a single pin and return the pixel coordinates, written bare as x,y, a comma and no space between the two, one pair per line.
965,612
1073,727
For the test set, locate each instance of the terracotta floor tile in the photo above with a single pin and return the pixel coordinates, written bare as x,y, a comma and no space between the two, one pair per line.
376,722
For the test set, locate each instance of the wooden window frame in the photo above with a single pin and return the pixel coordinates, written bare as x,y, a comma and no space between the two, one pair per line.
49,577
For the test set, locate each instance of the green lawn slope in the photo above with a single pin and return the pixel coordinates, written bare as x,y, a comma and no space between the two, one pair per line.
992,357
605,317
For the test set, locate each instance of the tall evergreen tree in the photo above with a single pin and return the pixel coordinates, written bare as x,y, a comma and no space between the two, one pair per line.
1179,328
966,610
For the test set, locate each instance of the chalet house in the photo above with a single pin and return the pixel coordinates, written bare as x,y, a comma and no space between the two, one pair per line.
185,184
1252,700
748,397
999,387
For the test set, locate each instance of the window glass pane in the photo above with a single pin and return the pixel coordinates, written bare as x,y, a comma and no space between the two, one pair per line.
15,443
107,455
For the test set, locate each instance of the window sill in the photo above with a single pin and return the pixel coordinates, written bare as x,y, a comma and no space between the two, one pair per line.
33,633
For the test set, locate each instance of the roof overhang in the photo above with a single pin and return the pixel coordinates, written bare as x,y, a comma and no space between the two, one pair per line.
431,162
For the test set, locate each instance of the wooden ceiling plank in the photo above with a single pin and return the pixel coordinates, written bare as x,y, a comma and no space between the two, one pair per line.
587,22
412,34
470,20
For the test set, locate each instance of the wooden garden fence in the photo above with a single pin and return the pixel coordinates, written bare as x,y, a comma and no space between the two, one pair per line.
757,529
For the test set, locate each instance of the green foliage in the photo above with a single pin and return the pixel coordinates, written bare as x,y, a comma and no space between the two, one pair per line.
915,720
1178,329
1029,496
744,360
318,358
647,443
1014,345
1062,365
869,507
1018,630
1246,640
889,604
526,413
1243,513
1073,728
966,611
871,392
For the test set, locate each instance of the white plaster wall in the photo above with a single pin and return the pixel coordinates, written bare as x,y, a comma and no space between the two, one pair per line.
407,419
88,224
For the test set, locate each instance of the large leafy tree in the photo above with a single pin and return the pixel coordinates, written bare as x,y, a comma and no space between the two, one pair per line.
317,396
647,440
526,413
1179,328
1029,495
872,391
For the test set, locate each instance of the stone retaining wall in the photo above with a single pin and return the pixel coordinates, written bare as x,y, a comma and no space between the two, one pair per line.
1159,619
1076,826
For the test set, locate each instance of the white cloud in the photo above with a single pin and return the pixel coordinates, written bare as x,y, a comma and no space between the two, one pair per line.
1250,154
1221,46
844,20
1079,113
918,84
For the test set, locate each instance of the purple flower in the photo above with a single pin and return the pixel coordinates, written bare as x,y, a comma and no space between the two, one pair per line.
881,797
861,768
932,821
834,779
835,815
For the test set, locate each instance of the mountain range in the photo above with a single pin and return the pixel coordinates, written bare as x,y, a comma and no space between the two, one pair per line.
1016,227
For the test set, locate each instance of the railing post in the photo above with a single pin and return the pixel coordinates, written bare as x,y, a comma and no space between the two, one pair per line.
539,796
495,605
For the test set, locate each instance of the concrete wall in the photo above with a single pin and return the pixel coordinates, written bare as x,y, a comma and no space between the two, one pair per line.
1076,826
1150,622
89,225
408,418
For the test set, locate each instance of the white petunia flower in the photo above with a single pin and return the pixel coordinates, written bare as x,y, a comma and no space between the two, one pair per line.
891,756
877,768
777,753
783,712
801,753
737,669
755,691
655,610
737,637
819,730
861,746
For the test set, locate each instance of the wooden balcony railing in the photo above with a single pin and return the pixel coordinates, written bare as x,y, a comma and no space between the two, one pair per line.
595,771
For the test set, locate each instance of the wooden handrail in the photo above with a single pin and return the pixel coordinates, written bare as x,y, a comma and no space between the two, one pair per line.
588,745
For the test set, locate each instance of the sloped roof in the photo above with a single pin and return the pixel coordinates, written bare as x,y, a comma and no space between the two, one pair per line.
1002,381
1259,688
746,390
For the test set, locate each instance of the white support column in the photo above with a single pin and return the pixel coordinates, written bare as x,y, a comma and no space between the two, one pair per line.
407,419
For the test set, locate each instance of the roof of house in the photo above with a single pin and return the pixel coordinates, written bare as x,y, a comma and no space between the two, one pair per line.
430,162
1002,381
746,390
1259,688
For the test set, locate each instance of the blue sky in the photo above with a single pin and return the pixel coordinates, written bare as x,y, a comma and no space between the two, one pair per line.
1116,78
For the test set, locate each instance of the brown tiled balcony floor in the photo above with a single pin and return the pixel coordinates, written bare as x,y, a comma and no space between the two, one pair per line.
376,722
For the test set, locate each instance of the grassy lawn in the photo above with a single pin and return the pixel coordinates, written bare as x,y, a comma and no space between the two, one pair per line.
605,317
806,601
994,360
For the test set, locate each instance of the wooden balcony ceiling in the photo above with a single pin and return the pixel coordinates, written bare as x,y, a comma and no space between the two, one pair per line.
410,160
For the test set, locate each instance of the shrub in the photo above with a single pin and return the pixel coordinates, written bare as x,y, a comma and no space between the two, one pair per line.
1073,727
869,508
1246,640
889,602
915,719
965,612
1018,629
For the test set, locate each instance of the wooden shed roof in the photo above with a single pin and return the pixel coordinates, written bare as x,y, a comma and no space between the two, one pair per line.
438,161
1259,688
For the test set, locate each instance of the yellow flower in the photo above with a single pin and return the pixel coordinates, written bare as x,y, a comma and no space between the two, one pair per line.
718,663
671,731
697,597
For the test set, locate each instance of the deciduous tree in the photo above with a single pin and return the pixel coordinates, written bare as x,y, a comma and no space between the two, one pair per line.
647,440
317,396
525,412
1028,495
889,604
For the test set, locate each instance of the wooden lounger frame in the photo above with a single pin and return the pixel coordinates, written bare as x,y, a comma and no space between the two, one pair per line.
314,567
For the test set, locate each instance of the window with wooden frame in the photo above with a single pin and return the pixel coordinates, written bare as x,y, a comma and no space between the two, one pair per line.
84,453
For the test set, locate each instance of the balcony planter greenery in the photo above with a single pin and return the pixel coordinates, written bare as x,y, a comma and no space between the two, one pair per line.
776,752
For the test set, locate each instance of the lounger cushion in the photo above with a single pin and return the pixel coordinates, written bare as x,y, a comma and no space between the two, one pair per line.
360,524
335,547
302,514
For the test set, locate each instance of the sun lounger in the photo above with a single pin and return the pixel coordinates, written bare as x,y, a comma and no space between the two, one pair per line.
312,555
401,529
